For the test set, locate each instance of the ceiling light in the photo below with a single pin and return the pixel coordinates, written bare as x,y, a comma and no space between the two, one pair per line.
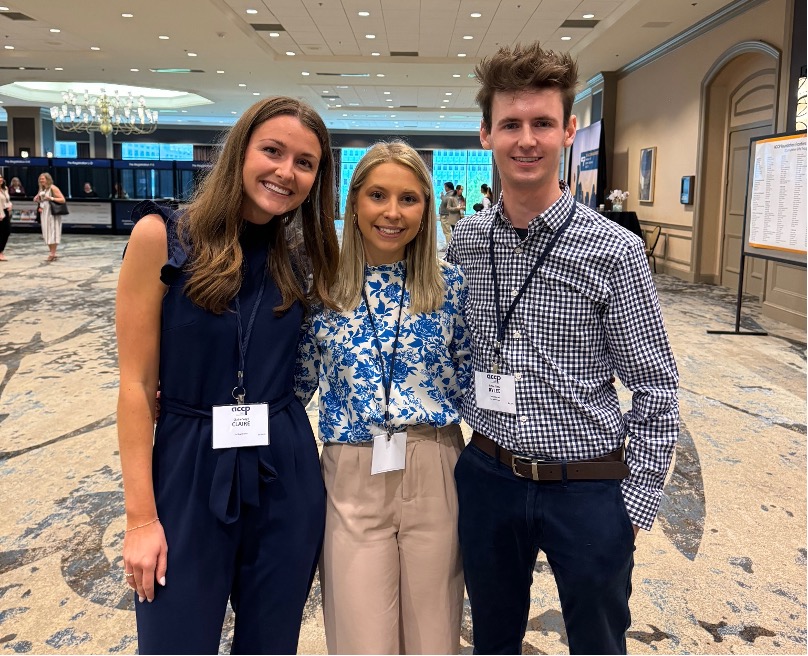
274,35
184,111
388,100
354,104
345,115
566,38
55,30
192,54
127,15
338,106
9,47
455,74
442,116
364,13
375,54
3,8
305,73
220,72
379,74
589,15
58,68
370,36
342,86
163,37
134,70
111,114
241,84
448,93
476,14
461,54
94,48
252,11
232,112
468,37
290,53
386,93
256,93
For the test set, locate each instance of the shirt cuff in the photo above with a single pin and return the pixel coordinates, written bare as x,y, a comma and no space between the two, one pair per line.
642,504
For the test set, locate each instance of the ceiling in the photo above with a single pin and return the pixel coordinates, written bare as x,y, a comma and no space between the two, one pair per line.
416,82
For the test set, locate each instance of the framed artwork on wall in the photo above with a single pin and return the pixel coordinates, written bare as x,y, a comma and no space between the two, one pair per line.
647,171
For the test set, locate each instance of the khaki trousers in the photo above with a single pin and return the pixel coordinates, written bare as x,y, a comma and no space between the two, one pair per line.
446,224
390,573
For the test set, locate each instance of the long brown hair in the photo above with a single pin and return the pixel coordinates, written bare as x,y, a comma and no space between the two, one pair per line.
525,68
211,226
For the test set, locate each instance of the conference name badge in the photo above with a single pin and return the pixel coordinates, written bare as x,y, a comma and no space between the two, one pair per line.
246,424
495,391
389,452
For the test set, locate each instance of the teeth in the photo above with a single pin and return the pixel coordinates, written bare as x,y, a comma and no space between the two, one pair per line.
526,159
278,190
389,231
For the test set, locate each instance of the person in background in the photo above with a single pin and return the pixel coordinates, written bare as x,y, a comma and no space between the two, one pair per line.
461,200
225,499
562,299
118,191
15,188
89,192
50,223
443,210
488,196
393,364
5,217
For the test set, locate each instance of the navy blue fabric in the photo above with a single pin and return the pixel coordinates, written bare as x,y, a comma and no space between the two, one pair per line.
245,524
582,527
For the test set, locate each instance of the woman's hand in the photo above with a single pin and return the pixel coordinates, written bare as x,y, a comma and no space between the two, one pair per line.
145,559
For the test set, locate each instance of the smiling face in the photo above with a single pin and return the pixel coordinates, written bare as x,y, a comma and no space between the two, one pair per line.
390,206
527,135
279,170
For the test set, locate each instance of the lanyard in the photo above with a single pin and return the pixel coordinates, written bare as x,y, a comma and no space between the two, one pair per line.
386,381
243,341
502,324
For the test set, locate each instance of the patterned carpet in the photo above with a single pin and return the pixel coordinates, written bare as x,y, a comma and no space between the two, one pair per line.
723,571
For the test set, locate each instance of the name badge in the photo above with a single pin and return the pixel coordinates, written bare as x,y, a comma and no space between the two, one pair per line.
240,425
494,391
388,454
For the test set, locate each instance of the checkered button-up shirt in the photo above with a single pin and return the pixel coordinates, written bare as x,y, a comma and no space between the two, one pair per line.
590,311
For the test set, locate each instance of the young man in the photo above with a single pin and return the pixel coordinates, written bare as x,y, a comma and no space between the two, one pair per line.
560,299
447,206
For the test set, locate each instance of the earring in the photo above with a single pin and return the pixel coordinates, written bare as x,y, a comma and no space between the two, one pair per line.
421,227
356,221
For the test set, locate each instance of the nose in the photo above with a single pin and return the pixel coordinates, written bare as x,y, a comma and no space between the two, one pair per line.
526,137
393,210
284,170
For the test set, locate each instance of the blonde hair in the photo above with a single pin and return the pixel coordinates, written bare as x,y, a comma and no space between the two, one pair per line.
48,181
424,278
213,222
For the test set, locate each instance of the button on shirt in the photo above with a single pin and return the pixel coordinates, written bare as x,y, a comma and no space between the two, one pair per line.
432,365
590,311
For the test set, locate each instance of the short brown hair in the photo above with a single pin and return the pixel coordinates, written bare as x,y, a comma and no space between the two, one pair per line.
526,68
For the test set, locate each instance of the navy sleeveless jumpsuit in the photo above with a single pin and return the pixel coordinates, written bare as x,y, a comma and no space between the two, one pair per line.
242,523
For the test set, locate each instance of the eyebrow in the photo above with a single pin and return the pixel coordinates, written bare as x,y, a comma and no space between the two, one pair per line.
513,119
376,185
282,144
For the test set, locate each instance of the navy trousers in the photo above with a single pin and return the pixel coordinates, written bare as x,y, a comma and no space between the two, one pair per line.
263,560
582,527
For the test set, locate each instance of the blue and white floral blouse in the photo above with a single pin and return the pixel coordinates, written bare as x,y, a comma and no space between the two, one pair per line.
432,366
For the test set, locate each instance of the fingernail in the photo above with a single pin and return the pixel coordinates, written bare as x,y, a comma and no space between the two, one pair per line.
151,600
162,581
141,599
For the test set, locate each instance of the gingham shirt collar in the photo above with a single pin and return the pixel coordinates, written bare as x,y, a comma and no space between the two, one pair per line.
552,217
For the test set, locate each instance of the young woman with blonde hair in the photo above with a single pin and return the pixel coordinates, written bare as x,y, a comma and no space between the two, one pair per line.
393,364
225,500
51,223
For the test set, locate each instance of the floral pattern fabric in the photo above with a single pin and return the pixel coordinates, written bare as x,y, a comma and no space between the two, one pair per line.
432,365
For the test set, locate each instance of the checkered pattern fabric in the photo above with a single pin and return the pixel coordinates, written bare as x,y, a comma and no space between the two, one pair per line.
590,312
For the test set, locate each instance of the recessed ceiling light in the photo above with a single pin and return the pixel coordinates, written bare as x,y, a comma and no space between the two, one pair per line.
461,54
163,37
379,74
364,13
468,37
476,14
184,111
3,8
241,84
386,93
566,38
220,72
392,115
290,53
94,48
589,15
192,54
22,68
448,93
256,93
127,15
274,35
375,54
9,47
388,100
55,30
345,115
232,112
455,74
305,73
135,70
442,116
338,106
370,36
354,104
58,68
342,86
252,11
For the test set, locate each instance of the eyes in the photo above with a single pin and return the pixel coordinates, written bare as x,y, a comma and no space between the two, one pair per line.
538,123
406,198
303,162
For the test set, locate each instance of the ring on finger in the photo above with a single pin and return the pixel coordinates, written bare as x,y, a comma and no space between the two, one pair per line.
128,574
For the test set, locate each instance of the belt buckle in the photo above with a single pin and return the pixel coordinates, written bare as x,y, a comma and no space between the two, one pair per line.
533,463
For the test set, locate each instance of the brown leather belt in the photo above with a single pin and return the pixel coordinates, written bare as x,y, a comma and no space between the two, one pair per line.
609,466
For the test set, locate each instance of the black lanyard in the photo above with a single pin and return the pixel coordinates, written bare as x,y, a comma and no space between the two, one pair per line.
502,324
387,382
244,341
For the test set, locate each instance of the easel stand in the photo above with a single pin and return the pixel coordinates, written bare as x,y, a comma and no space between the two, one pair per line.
738,330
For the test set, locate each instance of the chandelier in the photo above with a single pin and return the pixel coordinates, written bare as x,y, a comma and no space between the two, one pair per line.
104,114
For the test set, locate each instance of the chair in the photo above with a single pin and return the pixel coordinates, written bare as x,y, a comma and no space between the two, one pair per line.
651,239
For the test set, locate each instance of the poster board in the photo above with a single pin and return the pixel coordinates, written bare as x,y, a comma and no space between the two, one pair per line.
775,226
586,166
